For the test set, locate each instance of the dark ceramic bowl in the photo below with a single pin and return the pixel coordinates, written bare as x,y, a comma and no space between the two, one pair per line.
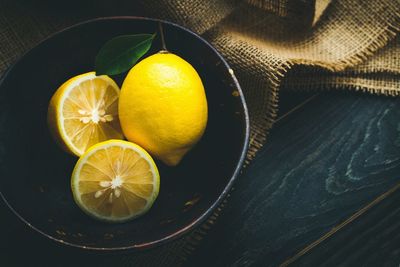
35,172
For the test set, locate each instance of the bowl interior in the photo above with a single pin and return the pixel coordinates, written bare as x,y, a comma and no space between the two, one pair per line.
35,172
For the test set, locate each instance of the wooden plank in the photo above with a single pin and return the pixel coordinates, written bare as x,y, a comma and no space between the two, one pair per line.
290,102
322,164
370,240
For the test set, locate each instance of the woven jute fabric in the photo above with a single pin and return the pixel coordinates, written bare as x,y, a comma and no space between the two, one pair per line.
270,49
271,45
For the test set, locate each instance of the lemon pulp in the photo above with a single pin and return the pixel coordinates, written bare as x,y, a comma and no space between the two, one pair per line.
84,111
115,181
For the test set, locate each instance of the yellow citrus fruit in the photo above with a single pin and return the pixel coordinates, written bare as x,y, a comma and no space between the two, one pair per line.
84,111
163,106
115,181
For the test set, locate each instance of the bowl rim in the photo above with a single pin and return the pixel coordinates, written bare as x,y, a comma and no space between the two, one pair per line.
203,216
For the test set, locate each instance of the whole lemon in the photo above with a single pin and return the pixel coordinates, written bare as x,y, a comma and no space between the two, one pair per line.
163,106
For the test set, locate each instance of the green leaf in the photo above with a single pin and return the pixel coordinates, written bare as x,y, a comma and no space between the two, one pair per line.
121,53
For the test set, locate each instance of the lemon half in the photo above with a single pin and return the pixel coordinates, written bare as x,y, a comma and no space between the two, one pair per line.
84,111
115,181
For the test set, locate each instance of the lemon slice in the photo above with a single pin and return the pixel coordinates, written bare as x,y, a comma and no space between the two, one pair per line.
115,181
84,111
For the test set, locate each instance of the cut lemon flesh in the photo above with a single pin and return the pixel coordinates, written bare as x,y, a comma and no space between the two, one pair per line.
115,181
84,112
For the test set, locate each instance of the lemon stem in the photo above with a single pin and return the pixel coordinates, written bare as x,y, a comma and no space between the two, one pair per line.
163,46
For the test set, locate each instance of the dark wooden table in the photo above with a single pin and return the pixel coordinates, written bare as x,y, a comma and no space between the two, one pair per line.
324,191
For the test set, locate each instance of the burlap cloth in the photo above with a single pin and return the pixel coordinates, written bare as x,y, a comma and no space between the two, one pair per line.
272,45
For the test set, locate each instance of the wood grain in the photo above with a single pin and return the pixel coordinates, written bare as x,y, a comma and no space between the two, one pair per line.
322,164
371,240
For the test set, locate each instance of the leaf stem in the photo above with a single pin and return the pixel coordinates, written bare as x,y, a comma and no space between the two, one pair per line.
163,46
